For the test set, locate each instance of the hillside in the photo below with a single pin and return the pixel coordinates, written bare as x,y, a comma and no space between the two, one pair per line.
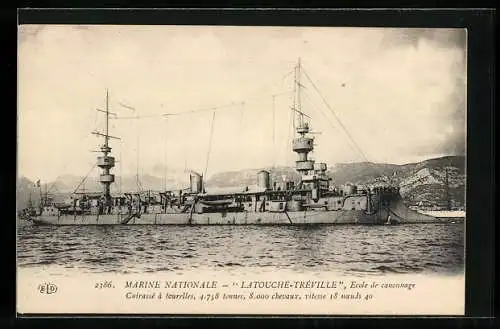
421,183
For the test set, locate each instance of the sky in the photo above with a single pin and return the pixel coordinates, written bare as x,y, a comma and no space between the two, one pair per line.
400,96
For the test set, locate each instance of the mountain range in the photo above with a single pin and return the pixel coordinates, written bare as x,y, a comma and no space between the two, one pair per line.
430,183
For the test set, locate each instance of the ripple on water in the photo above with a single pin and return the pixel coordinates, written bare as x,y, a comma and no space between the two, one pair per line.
396,249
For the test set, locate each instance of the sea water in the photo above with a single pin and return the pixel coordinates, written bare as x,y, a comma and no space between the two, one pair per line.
348,249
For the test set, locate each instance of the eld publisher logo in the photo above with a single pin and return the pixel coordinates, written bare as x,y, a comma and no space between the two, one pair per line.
47,288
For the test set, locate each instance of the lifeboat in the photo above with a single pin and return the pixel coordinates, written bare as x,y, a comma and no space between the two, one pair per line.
224,202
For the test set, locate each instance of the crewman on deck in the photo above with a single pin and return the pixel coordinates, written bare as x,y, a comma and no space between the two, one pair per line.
139,205
108,206
262,205
165,203
99,206
129,206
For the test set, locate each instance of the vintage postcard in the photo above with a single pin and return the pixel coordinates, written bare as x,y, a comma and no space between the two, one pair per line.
241,170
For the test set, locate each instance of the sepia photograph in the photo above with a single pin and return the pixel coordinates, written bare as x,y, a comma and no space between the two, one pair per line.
241,169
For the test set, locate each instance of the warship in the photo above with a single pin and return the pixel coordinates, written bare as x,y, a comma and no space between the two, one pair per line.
311,199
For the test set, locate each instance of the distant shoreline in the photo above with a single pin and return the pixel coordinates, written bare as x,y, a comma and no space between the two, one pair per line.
444,213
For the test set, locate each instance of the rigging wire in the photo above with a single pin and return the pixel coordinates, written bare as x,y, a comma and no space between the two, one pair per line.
274,133
341,124
209,144
295,91
136,117
84,138
328,119
291,128
336,117
214,109
137,181
287,75
257,93
84,178
121,176
165,155
205,109
187,155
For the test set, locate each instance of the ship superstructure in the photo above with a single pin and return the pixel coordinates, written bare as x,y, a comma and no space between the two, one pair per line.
106,162
311,199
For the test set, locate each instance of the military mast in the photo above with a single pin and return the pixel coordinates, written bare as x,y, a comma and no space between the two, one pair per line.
106,162
303,144
312,173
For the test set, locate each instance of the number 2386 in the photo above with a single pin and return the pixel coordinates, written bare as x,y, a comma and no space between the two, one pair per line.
103,285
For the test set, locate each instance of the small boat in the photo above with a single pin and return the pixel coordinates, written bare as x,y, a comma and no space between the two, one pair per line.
217,202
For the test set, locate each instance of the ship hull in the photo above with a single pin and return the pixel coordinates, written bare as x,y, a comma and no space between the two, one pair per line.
395,214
